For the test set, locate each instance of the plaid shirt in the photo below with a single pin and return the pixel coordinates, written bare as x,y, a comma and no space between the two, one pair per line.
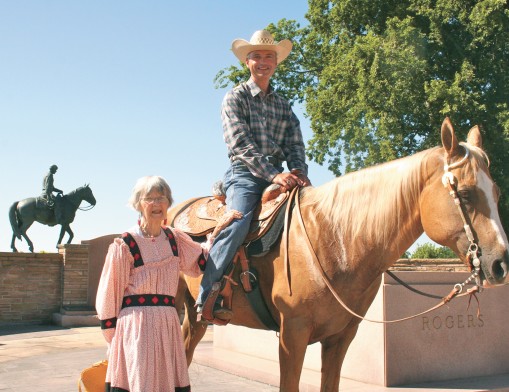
258,125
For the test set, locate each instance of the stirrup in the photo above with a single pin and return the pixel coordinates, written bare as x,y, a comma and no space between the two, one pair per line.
216,316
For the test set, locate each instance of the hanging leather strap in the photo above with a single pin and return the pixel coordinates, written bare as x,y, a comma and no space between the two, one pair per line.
286,236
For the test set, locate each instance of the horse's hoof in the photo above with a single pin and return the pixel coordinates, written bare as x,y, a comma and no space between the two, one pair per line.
14,250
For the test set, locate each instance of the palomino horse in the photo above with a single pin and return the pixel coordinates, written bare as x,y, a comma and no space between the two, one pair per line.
25,212
358,225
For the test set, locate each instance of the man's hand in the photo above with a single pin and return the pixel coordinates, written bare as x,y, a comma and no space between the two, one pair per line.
303,179
290,180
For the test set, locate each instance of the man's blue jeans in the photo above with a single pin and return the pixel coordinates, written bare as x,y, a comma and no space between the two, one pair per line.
243,192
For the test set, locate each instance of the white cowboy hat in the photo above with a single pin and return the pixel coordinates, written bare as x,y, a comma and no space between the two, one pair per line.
261,40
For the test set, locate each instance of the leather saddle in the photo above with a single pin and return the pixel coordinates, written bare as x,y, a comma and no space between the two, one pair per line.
198,217
43,202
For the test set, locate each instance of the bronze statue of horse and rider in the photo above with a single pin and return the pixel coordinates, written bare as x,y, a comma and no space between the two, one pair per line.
342,236
60,210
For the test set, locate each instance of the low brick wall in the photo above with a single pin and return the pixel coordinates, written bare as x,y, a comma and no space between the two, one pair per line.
30,287
75,276
34,286
430,265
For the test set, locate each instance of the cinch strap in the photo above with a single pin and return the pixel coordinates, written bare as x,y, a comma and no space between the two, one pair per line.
148,300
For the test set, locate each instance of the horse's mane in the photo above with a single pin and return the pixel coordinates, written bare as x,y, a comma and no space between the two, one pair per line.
370,202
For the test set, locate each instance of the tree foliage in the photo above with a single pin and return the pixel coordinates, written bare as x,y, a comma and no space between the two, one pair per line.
430,251
379,76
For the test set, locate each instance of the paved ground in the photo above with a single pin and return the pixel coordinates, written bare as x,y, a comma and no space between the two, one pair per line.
49,358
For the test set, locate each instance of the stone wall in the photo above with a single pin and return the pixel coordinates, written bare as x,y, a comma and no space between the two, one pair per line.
35,286
30,287
74,276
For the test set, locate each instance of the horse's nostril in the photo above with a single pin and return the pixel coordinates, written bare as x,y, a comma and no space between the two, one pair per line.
500,269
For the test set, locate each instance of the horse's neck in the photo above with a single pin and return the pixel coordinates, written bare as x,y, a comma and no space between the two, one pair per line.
375,209
74,197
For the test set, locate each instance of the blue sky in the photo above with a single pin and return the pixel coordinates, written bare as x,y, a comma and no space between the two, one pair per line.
112,91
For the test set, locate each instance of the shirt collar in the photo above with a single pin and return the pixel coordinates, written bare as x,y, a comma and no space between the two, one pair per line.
255,90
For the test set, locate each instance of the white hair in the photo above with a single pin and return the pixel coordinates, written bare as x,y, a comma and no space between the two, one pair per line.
144,186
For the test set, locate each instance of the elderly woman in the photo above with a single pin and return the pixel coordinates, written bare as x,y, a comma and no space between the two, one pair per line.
135,298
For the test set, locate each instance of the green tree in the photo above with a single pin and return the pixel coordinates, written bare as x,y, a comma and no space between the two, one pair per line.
379,76
430,251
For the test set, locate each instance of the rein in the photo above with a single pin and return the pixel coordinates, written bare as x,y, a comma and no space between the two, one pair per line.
448,180
393,276
86,208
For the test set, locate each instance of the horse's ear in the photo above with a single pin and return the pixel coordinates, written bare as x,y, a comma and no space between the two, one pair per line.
474,137
449,140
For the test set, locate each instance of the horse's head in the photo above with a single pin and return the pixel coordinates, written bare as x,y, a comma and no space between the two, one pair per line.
85,192
459,205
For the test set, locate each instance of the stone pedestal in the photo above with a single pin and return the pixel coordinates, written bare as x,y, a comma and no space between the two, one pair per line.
449,343
76,316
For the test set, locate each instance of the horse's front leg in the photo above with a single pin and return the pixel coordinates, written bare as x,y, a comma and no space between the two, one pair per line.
63,229
334,349
30,243
71,234
293,342
23,230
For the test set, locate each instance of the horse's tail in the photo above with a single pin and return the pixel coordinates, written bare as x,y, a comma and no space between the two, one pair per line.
14,220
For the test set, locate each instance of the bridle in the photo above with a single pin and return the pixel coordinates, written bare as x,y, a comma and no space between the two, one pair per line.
449,182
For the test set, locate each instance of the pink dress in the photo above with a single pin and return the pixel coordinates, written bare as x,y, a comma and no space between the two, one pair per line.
145,344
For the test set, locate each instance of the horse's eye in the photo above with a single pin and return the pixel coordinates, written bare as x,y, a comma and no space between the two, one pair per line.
467,197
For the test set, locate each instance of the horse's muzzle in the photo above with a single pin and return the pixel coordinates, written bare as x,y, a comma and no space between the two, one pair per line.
496,272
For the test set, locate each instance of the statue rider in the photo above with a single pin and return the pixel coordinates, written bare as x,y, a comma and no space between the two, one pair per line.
48,188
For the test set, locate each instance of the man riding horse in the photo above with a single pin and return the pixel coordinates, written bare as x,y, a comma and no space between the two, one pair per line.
261,132
48,188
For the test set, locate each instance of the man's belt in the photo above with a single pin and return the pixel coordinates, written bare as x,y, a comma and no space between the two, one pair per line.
274,161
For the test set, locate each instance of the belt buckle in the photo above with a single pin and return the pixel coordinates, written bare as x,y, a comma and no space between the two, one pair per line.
272,160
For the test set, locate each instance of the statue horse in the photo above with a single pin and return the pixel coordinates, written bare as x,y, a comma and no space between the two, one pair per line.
344,234
25,212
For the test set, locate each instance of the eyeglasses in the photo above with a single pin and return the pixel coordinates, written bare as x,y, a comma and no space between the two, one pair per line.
153,200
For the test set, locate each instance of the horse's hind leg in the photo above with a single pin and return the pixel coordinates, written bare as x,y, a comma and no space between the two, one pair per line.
13,247
23,230
30,244
334,349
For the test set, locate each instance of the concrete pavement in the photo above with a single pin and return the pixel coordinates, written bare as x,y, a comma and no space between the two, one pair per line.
50,358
